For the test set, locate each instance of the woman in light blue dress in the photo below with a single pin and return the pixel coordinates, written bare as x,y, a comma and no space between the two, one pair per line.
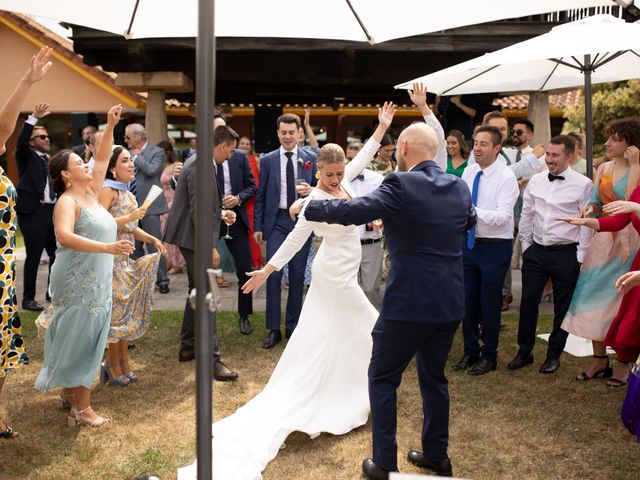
80,279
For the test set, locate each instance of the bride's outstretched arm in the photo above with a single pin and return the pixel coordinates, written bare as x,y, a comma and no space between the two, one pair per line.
366,154
418,95
294,242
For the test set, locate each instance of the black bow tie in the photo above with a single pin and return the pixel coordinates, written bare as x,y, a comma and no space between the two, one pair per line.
360,177
553,177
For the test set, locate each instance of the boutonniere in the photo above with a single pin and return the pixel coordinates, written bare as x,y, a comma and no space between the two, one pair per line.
307,165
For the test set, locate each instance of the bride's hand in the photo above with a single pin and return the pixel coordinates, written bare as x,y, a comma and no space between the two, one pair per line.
386,113
296,208
256,280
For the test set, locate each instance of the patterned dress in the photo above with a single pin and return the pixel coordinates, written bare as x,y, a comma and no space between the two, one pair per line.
133,280
12,354
595,299
80,310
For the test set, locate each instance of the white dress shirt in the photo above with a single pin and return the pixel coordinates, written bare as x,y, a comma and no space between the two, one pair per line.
371,181
545,201
227,179
31,120
283,174
441,154
497,194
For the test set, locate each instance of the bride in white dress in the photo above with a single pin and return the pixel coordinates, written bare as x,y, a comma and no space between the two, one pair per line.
320,382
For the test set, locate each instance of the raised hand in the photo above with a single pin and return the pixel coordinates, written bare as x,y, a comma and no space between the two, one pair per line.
39,66
386,114
113,115
632,154
307,116
418,94
620,206
41,110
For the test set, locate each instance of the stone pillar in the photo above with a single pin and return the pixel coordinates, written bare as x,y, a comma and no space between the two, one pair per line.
538,113
156,117
157,85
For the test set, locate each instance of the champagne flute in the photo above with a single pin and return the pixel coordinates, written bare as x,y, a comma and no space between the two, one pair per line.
228,220
300,185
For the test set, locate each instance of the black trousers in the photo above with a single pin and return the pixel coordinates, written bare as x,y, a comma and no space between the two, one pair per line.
240,250
538,266
37,229
187,333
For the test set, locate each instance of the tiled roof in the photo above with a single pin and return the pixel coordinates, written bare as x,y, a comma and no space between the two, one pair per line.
570,98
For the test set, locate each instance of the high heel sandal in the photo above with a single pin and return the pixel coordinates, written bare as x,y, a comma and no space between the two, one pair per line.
8,433
62,402
77,420
614,382
605,372
131,375
105,376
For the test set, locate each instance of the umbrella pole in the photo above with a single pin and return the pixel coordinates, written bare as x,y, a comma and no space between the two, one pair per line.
205,91
588,114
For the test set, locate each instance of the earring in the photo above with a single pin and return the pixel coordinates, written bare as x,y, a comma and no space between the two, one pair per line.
317,175
67,185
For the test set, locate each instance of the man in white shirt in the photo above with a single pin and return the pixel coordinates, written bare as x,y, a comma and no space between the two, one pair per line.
552,249
370,273
487,253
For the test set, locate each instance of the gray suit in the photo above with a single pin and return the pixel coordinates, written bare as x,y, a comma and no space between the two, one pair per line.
180,231
149,165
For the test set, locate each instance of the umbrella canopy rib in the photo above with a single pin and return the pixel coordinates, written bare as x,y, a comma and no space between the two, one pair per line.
469,79
567,64
553,70
133,17
364,29
606,59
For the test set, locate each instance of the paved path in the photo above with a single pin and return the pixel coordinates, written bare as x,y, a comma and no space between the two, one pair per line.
174,300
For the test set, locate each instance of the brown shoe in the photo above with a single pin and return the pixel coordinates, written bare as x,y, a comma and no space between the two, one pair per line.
222,374
506,301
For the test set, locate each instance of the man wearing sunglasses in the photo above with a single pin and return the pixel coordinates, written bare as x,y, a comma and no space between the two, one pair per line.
35,202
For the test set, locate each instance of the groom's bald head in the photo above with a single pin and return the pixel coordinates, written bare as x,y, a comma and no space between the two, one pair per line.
416,143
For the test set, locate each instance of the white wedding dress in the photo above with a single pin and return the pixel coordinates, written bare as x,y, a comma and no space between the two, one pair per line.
320,383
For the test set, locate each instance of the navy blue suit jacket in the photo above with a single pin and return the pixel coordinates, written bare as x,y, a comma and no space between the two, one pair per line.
242,182
266,207
426,213
33,170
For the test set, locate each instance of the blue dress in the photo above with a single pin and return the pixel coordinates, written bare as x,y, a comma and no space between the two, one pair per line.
81,301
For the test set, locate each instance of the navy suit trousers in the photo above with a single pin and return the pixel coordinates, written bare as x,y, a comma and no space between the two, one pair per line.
484,269
394,345
284,225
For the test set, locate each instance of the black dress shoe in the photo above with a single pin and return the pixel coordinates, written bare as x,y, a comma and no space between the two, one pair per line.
288,333
222,374
520,360
550,365
274,337
465,362
372,471
441,467
131,346
186,355
164,288
483,366
32,305
245,326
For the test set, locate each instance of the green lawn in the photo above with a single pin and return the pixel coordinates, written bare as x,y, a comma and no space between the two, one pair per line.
515,425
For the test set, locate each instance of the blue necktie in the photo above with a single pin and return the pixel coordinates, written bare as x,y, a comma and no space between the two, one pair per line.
291,180
471,241
132,183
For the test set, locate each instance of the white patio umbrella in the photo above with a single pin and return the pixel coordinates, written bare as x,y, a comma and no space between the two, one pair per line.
597,49
374,21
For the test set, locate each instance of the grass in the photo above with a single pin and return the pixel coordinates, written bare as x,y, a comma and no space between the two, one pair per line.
503,425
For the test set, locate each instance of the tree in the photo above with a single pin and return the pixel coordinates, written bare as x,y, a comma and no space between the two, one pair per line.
610,101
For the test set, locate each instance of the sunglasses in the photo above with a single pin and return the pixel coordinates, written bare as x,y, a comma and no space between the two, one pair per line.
517,132
41,137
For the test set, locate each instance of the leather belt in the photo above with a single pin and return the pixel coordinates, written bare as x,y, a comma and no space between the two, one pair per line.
491,240
369,241
563,246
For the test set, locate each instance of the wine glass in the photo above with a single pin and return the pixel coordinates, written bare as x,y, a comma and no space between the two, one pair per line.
300,185
228,220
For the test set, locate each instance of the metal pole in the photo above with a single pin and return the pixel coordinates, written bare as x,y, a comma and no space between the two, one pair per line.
588,114
205,89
